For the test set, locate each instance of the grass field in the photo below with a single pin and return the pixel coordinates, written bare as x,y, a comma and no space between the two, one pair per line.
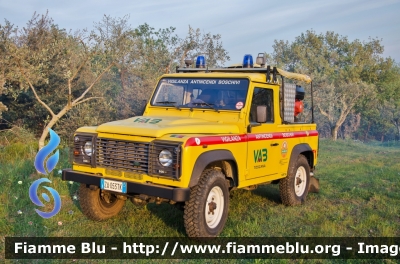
360,196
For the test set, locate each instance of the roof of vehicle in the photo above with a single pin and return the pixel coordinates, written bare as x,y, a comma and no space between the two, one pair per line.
257,77
255,74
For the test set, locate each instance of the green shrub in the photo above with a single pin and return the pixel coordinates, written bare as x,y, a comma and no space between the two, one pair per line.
16,144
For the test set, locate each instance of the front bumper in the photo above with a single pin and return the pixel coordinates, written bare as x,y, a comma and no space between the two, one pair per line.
174,194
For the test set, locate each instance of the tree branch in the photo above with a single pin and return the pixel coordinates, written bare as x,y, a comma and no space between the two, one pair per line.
87,99
323,112
73,77
36,96
91,86
79,68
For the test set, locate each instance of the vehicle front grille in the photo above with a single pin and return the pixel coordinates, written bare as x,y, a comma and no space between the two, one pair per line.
137,157
122,155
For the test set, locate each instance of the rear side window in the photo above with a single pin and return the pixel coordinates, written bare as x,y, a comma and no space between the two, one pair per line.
262,97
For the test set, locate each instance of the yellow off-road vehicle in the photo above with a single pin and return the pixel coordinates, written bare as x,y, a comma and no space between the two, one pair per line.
204,133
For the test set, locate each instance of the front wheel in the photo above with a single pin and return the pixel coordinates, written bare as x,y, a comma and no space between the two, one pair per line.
294,188
206,212
97,205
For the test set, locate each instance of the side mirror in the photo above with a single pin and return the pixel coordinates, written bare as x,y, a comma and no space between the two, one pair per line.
261,114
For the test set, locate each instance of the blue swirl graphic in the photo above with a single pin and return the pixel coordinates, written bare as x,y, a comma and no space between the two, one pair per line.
35,199
45,151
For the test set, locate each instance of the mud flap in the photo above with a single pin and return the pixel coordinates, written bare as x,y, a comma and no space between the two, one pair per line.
314,185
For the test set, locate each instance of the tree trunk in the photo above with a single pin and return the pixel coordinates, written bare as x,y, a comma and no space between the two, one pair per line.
366,132
123,78
52,122
338,124
45,133
334,132
398,129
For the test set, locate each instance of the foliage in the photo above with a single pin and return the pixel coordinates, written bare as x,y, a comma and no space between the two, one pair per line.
16,143
6,31
196,43
157,52
138,71
381,111
48,72
343,71
389,97
54,78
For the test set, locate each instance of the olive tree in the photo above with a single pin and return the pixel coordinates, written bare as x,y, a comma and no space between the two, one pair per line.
157,52
57,74
389,97
79,61
197,43
6,32
343,71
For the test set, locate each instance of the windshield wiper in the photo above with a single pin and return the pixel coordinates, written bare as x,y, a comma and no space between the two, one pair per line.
165,102
170,103
207,104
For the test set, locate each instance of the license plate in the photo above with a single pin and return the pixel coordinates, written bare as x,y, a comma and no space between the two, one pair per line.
115,186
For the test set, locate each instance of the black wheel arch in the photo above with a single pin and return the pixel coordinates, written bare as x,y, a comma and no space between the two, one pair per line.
305,150
219,158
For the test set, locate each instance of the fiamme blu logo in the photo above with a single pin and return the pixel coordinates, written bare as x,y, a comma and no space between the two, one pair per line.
41,164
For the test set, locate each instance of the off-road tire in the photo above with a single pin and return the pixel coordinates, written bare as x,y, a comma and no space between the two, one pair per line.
212,189
293,190
95,207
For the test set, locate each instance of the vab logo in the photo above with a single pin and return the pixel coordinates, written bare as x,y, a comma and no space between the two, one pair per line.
50,165
260,155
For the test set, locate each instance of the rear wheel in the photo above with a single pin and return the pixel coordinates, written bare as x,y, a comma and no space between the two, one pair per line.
294,188
206,211
97,205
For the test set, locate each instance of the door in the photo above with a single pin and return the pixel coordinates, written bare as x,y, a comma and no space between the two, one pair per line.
263,150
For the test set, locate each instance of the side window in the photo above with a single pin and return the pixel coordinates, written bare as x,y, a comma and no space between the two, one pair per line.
264,98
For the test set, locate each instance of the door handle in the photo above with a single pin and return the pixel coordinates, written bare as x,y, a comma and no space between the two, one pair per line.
274,144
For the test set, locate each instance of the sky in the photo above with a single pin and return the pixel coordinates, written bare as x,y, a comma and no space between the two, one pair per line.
246,27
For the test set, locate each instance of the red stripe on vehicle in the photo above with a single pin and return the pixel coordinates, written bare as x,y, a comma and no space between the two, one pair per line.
281,135
227,139
213,140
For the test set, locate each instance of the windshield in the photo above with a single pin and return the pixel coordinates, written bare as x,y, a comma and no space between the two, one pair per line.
221,94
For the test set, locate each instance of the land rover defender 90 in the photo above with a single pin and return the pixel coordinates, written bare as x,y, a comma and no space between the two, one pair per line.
204,132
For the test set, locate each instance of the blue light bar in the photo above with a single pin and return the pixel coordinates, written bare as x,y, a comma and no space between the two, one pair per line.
200,62
248,61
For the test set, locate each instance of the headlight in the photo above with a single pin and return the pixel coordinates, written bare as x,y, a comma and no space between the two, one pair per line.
165,158
88,148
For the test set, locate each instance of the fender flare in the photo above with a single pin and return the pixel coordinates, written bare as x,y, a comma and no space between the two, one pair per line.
297,150
206,158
